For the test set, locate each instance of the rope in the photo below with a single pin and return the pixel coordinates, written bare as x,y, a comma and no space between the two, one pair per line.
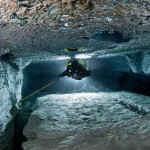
36,91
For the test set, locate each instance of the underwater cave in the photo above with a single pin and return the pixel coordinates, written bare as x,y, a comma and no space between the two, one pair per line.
75,75
108,75
112,73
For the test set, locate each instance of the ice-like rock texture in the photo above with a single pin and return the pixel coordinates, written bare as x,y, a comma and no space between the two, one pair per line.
89,121
10,91
139,62
6,126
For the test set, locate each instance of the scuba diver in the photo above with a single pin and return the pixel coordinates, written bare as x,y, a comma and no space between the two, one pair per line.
76,69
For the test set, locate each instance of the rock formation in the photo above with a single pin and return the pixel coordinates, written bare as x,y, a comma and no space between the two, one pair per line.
40,30
87,121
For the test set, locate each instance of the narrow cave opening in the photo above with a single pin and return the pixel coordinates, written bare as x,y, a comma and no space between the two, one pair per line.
107,74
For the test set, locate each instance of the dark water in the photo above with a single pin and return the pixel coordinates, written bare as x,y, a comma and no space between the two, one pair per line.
135,82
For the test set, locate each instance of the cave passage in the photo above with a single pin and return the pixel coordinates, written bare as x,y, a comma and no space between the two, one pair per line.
107,74
39,74
111,73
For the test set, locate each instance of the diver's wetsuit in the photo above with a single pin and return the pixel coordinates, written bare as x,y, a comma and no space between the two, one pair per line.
76,70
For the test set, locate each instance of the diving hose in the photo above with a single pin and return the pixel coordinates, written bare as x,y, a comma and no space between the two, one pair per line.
18,104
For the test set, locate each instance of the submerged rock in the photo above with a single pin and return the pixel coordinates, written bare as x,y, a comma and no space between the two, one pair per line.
88,121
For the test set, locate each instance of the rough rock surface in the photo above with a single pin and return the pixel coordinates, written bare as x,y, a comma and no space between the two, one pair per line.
89,121
139,62
48,27
113,14
39,30
26,42
10,91
6,126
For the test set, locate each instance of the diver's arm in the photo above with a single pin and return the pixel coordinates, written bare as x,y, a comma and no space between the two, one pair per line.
63,74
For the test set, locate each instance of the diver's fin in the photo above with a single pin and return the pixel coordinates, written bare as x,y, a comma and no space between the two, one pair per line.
71,49
74,49
67,63
80,48
66,49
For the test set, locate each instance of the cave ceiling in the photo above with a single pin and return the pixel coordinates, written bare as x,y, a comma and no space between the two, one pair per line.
48,27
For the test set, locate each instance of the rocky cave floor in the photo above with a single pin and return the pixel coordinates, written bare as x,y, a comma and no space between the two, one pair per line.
89,121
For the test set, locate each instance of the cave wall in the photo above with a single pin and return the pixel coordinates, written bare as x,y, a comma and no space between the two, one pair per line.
139,62
10,92
5,117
